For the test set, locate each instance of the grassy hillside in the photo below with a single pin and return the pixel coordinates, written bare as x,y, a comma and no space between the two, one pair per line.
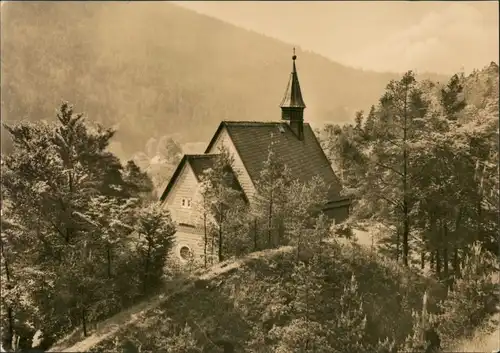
249,301
155,69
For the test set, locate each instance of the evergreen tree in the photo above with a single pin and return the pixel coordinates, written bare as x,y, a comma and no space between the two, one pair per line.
271,198
424,158
154,239
225,203
73,200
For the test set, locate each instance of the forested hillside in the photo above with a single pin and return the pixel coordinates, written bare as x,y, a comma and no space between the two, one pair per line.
155,69
424,162
84,242
67,206
271,302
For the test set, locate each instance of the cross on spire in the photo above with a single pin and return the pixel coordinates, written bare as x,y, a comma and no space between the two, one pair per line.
294,56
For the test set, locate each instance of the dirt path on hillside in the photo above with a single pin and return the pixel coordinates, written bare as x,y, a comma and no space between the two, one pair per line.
107,328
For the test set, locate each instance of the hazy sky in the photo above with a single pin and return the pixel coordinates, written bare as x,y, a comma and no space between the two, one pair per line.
441,36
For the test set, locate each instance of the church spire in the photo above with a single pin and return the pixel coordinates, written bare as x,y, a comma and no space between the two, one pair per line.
293,95
292,105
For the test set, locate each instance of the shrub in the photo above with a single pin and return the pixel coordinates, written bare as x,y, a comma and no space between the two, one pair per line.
343,230
473,297
341,299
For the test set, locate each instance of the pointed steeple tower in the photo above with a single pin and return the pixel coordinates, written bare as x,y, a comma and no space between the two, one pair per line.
292,105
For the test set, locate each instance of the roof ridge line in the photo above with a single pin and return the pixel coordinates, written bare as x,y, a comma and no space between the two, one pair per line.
202,155
242,122
253,122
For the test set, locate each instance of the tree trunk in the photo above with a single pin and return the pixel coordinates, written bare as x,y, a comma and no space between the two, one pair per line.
445,253
69,230
206,237
464,252
438,263
270,224
457,242
307,310
299,240
280,232
213,249
342,179
406,233
255,245
397,244
432,261
108,252
146,269
436,244
220,238
406,220
84,322
320,248
479,219
10,316
456,262
422,252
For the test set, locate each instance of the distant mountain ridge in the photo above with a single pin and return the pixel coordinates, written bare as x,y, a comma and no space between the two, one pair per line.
154,69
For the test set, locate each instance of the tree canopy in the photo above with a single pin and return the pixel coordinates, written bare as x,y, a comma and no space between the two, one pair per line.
69,224
424,162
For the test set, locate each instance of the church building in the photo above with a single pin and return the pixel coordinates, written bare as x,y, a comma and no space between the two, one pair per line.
248,141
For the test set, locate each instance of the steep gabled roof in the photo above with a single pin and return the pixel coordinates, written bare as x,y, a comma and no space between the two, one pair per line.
199,163
305,158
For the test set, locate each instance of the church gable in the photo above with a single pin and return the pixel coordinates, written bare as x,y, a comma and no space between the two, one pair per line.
183,188
181,192
222,138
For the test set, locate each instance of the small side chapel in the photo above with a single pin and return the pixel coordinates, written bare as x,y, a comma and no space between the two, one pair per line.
294,140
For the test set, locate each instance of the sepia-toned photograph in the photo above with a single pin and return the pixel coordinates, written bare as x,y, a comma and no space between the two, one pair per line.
250,176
